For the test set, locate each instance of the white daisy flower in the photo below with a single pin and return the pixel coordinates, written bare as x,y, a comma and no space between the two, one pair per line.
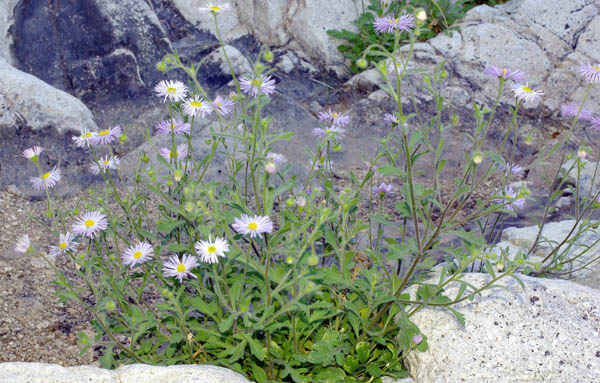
105,164
197,106
277,158
214,8
173,90
65,244
526,94
24,245
180,269
90,224
33,153
210,251
138,254
84,139
255,226
46,180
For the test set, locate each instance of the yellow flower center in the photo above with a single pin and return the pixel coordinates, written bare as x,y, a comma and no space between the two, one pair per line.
252,226
104,132
215,9
334,115
137,254
218,104
257,83
196,104
508,196
171,90
62,245
504,71
171,155
45,175
87,135
391,21
527,89
211,249
180,268
596,68
89,223
173,126
328,131
106,162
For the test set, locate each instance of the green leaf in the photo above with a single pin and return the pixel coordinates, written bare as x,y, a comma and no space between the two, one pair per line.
166,227
330,375
255,346
177,248
226,324
259,374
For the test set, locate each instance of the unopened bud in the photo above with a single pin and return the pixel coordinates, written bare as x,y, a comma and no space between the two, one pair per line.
289,260
289,202
268,56
361,63
313,260
161,66
123,138
500,266
444,74
260,67
189,207
169,183
477,157
454,119
528,139
421,14
145,158
270,167
582,153
178,174
337,148
111,306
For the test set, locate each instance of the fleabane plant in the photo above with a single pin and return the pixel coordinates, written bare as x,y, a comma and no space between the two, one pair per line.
266,273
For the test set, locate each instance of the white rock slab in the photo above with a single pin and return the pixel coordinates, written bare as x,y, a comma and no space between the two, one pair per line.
137,373
40,104
547,333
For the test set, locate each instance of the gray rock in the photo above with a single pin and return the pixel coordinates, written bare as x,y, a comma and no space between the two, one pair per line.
589,177
586,247
230,24
6,21
51,373
547,332
239,62
97,50
39,105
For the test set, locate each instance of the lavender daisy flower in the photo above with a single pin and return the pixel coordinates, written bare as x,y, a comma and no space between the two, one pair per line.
334,118
175,91
255,226
570,110
222,105
514,170
591,73
90,224
138,254
512,196
46,180
180,153
84,139
382,189
595,123
176,127
23,245
390,24
334,131
391,119
197,106
66,243
274,159
106,136
180,269
526,94
33,153
255,86
214,8
104,164
505,73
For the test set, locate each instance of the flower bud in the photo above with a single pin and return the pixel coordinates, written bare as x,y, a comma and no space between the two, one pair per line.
444,74
145,158
161,66
260,67
268,56
477,157
528,139
169,183
421,14
178,175
582,153
313,260
289,260
454,119
337,148
111,306
150,172
500,266
289,202
270,167
361,63
418,338
188,206
208,141
76,211
123,138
